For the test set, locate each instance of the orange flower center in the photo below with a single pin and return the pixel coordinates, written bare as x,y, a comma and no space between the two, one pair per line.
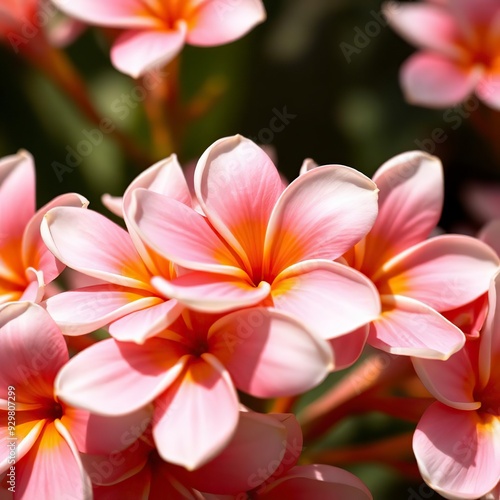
169,12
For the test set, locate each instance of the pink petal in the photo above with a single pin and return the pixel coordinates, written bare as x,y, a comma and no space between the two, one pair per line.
180,234
117,14
35,253
52,468
444,272
411,328
104,435
32,350
490,233
262,348
212,293
196,417
316,481
135,486
410,204
237,186
488,91
124,376
435,81
329,298
137,51
470,317
29,425
452,382
220,23
348,348
258,445
85,310
90,243
489,351
145,323
17,195
425,26
314,217
113,203
464,463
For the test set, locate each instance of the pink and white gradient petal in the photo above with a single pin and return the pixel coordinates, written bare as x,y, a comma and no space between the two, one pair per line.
212,293
17,195
426,26
464,463
314,217
433,81
330,298
444,272
410,204
218,23
140,325
137,51
35,252
237,186
52,468
32,350
262,348
452,383
180,234
348,348
124,378
87,309
197,416
92,244
410,328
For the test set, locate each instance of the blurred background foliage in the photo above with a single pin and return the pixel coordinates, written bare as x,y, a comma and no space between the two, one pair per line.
348,112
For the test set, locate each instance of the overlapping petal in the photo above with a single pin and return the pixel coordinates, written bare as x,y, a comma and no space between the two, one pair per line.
124,376
196,417
330,298
314,217
444,272
464,463
410,203
409,327
262,348
92,244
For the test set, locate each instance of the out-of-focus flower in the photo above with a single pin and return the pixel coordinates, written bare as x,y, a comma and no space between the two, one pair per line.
41,437
156,30
26,264
466,462
459,53
258,462
418,278
258,243
190,371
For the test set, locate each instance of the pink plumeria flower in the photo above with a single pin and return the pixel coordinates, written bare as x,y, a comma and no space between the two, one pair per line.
466,462
17,19
91,244
259,462
26,264
190,373
258,243
156,30
418,278
45,435
459,50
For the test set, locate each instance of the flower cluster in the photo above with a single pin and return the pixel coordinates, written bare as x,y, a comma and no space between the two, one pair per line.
136,357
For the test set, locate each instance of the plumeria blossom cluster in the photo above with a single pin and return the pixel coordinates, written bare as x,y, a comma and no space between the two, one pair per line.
245,284
139,372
